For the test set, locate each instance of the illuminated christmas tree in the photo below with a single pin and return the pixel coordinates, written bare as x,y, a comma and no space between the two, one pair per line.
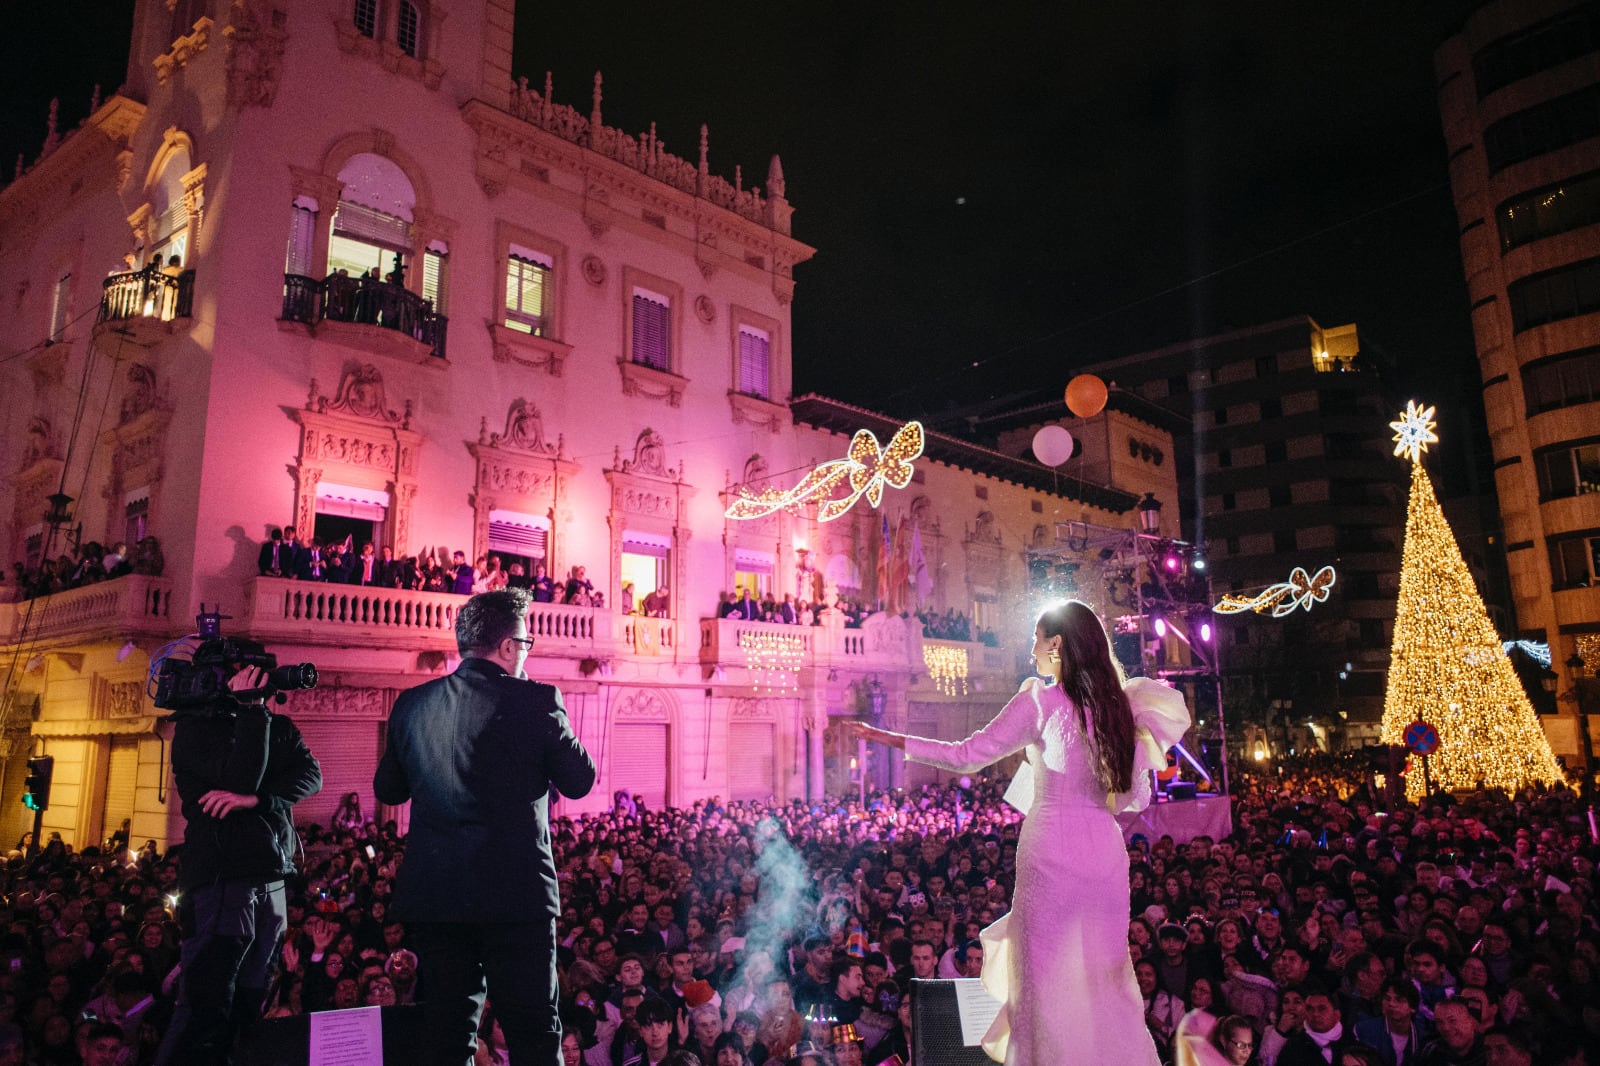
1447,666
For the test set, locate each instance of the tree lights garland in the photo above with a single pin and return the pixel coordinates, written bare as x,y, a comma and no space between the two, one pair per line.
1302,590
1448,666
864,471
947,667
773,658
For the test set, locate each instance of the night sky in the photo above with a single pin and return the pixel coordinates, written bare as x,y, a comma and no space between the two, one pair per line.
1000,193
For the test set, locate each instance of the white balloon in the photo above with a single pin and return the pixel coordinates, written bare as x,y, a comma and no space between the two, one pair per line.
1052,445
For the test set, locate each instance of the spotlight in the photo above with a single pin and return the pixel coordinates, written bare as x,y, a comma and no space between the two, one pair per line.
1172,561
1199,561
125,651
1205,632
1161,626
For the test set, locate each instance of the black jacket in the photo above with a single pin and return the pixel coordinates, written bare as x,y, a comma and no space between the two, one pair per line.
476,753
247,749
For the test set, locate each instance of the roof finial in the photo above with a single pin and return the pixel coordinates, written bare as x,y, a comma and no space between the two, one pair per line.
738,178
775,178
52,135
594,111
94,99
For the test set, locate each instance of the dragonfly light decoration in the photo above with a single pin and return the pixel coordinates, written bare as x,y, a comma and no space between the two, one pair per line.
864,471
1301,591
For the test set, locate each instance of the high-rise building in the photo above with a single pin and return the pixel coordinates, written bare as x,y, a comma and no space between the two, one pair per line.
1519,96
1287,465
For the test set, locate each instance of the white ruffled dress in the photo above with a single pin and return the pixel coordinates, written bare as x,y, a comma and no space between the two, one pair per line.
1058,962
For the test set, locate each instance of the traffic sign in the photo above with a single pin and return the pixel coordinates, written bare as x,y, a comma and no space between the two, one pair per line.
1422,738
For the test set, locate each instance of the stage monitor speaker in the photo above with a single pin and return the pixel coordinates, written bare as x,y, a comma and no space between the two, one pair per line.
1182,790
936,1027
287,1041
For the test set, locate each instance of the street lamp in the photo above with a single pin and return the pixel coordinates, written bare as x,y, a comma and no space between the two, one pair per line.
1149,510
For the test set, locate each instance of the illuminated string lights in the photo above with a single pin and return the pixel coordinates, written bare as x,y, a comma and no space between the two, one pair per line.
1414,431
1301,591
864,471
1448,666
947,667
773,659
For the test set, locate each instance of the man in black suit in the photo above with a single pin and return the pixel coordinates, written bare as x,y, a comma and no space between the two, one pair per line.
477,754
280,556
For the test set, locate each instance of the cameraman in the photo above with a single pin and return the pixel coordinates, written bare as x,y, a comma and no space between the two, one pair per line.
240,770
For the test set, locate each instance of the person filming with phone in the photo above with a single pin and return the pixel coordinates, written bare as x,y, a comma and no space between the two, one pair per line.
478,753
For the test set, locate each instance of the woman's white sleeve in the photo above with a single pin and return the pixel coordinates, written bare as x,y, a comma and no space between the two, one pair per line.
1160,719
1012,729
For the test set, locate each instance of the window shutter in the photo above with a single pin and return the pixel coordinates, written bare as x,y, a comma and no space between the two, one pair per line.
517,539
433,278
651,345
527,283
60,306
755,349
302,227
368,224
750,771
638,759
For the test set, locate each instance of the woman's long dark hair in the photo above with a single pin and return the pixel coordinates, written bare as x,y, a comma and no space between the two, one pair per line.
1091,677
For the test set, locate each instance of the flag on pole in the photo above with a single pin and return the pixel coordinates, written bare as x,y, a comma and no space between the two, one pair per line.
921,580
885,548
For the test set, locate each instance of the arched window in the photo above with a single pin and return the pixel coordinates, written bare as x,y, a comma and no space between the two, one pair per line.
372,225
408,29
169,230
366,17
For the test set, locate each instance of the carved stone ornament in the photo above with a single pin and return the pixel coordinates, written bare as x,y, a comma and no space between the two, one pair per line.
140,395
646,705
747,709
524,430
183,49
594,270
360,394
649,456
338,703
40,444
704,309
755,471
122,699
254,40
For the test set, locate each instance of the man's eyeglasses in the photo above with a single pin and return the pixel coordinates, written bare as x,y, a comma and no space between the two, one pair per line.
526,642
1241,1045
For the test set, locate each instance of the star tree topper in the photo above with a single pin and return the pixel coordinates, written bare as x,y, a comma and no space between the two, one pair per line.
1414,431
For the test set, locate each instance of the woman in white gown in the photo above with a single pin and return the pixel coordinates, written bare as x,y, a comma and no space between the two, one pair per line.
1058,962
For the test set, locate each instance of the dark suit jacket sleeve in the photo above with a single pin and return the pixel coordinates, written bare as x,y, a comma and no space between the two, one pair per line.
293,773
264,560
389,783
567,763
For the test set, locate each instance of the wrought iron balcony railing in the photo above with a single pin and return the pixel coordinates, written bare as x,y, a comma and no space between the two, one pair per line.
364,301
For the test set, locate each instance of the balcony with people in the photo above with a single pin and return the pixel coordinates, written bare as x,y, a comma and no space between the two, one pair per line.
149,303
367,312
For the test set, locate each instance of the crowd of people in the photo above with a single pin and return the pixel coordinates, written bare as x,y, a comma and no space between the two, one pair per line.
955,625
1463,931
90,563
344,563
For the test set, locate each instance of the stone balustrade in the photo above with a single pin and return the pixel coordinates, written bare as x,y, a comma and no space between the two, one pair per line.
128,606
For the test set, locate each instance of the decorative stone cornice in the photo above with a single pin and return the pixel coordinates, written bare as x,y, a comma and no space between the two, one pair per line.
183,49
754,411
97,151
653,384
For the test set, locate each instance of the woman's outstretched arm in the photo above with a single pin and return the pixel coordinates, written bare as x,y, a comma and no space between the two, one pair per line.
1012,729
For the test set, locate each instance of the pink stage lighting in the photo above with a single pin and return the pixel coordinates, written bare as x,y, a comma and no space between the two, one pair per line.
1205,632
1161,626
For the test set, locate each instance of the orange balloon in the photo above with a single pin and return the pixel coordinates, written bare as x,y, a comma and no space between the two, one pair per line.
1086,395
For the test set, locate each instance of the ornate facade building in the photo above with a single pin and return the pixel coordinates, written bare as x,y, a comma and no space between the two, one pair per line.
332,265
1519,95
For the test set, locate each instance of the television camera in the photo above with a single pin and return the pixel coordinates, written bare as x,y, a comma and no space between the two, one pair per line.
199,682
